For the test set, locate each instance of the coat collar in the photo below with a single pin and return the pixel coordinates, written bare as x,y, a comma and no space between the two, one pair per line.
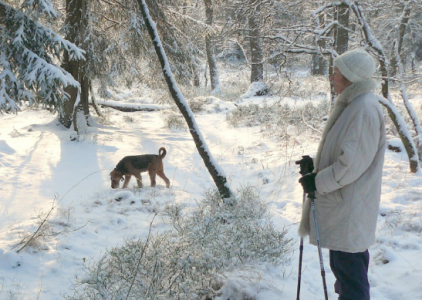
354,90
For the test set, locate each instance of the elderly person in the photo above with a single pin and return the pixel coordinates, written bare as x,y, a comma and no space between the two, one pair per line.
347,175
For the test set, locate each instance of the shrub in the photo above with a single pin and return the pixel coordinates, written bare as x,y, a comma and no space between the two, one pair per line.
277,117
174,121
188,260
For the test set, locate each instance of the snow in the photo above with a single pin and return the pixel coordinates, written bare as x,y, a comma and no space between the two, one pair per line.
40,168
255,89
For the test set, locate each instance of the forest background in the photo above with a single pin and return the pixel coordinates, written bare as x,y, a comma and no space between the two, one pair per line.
255,62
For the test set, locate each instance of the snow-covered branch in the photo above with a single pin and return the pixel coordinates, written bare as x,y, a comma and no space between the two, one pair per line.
404,133
407,104
27,49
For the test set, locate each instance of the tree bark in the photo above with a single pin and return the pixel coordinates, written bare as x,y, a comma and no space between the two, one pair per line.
407,104
2,14
341,34
76,23
404,19
257,66
341,39
94,101
214,170
209,45
408,144
319,64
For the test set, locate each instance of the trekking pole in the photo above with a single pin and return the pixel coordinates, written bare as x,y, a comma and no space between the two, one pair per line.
299,278
305,169
321,262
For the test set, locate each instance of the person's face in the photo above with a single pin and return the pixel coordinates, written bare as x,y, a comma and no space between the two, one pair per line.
339,81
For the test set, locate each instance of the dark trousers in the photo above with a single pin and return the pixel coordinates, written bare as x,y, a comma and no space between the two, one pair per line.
351,272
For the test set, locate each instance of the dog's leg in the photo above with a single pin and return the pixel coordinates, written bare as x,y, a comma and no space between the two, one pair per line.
139,179
152,171
127,179
163,176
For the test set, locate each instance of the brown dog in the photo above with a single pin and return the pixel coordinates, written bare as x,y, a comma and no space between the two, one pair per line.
134,165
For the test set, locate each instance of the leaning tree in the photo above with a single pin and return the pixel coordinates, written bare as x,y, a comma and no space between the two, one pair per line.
214,169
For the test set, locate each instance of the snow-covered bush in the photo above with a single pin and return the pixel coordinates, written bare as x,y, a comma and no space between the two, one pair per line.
197,104
257,89
190,259
398,221
276,118
175,121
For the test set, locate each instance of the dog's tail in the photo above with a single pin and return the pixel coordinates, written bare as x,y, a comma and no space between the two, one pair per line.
162,152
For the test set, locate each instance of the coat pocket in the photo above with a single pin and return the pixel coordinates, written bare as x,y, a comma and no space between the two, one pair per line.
331,199
347,192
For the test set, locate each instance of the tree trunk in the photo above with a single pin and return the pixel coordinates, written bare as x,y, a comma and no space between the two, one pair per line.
215,171
257,72
75,24
341,38
94,101
333,95
408,144
319,64
209,45
407,104
404,19
196,77
341,35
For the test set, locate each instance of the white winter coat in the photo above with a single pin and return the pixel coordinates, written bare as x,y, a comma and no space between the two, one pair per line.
349,170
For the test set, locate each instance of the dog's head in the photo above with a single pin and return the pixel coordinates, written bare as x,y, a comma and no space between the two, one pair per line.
115,176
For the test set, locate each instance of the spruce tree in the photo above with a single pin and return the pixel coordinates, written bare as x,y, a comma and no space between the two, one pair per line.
29,52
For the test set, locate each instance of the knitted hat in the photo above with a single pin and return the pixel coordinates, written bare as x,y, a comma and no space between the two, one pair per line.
356,65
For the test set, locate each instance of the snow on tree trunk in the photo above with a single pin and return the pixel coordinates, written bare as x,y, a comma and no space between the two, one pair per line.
209,45
257,67
406,102
76,23
403,20
94,101
375,45
214,169
405,136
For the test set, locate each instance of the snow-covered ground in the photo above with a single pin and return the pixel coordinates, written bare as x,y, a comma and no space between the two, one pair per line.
41,168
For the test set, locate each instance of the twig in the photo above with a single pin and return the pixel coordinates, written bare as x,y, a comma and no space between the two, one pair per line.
52,208
140,257
304,121
39,227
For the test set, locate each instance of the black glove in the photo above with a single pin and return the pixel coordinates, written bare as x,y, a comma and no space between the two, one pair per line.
306,165
308,182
